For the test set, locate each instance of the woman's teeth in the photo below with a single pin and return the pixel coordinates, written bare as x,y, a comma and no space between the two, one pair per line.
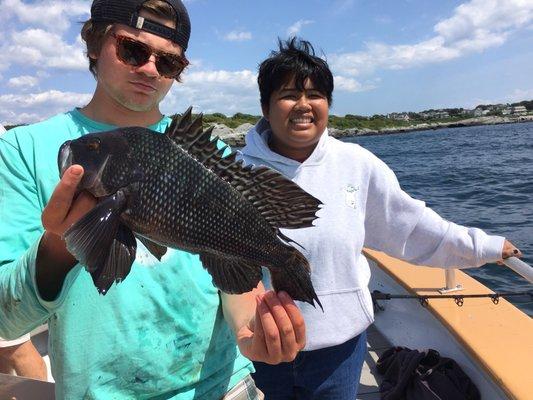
307,120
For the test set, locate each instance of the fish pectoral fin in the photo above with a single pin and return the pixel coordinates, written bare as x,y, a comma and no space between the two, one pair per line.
90,239
119,260
93,240
231,276
157,250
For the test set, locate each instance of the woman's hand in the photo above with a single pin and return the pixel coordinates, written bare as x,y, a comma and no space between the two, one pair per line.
277,331
510,250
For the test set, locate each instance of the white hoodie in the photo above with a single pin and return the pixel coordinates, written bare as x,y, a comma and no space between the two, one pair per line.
363,205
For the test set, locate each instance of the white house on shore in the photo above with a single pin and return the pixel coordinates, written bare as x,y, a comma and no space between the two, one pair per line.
399,116
519,110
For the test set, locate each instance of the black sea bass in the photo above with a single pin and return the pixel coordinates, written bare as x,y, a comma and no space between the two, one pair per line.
177,190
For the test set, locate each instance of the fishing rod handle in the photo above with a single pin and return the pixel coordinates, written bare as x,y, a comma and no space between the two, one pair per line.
520,267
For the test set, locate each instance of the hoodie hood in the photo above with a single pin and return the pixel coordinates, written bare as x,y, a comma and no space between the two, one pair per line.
257,151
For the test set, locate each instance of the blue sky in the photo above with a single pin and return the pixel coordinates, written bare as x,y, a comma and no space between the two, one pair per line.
386,56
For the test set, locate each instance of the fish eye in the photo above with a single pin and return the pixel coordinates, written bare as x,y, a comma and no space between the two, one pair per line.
93,144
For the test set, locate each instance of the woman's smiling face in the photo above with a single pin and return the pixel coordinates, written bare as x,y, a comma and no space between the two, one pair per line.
297,118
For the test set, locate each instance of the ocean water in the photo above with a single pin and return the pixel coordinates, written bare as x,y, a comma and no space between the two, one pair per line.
475,176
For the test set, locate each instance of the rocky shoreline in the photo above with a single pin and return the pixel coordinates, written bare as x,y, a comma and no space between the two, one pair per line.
235,137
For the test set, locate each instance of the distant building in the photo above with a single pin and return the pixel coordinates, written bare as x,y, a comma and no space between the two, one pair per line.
478,112
437,114
519,110
399,116
507,111
498,107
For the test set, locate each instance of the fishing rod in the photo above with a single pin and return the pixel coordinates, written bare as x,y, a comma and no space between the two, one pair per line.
514,263
458,298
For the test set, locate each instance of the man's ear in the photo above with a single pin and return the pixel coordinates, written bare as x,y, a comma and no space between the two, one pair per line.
266,111
93,54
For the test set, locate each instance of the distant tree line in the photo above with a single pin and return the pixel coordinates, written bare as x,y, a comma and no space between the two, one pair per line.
526,103
352,121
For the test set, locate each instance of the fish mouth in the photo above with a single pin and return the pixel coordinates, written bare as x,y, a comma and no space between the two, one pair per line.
64,159
91,180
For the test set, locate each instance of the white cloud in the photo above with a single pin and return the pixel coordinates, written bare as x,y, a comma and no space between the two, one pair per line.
243,79
477,16
474,27
52,15
297,27
24,81
238,36
45,49
41,42
33,107
347,84
222,91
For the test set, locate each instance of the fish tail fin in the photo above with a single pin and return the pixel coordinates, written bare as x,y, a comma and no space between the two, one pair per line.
295,279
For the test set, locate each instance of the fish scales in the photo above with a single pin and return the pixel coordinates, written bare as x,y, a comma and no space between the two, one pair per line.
180,193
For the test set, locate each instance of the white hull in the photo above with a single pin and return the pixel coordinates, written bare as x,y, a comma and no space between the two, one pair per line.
491,342
406,323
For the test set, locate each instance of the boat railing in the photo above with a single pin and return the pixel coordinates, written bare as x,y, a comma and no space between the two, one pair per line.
520,267
513,263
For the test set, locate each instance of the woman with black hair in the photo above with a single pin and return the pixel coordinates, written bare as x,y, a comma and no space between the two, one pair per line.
363,205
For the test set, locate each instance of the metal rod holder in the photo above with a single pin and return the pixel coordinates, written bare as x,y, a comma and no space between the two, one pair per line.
451,285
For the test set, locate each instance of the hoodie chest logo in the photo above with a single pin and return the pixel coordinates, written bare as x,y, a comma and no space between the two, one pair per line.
350,196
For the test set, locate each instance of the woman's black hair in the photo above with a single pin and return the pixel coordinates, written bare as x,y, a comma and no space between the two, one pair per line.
295,58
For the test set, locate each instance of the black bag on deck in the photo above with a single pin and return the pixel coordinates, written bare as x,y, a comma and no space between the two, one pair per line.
414,375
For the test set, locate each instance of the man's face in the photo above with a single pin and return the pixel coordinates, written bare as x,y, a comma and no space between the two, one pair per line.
136,88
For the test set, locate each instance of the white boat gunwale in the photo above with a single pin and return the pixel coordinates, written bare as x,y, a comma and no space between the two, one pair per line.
495,337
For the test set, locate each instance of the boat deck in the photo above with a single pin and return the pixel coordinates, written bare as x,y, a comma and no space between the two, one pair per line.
369,382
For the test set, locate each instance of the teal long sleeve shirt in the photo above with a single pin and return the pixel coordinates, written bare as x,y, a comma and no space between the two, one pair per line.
158,334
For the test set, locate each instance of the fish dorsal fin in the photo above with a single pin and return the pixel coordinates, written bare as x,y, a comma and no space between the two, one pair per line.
188,133
278,199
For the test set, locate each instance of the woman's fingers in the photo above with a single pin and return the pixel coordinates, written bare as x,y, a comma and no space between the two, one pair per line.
510,250
283,327
296,317
271,332
289,346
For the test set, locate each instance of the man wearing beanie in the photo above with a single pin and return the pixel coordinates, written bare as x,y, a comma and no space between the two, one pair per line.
165,332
